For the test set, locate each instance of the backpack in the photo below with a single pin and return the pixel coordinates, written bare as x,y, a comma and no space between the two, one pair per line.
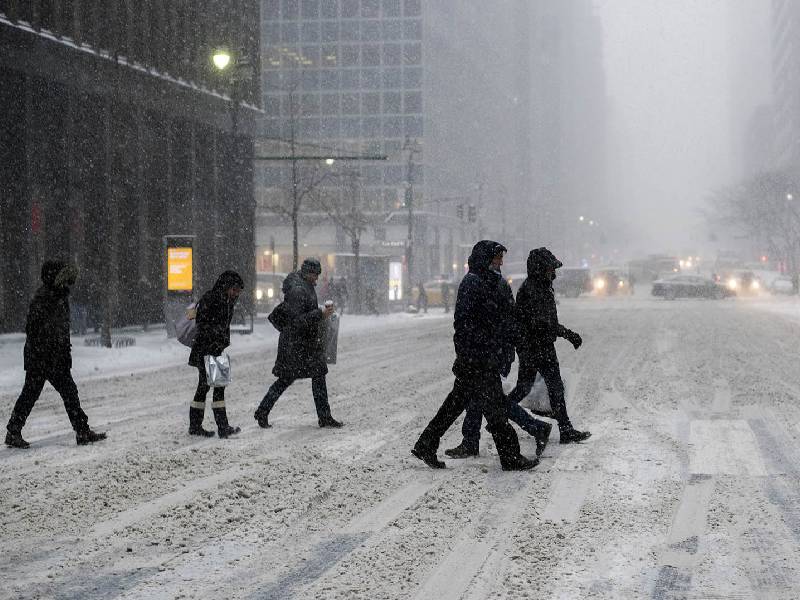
186,326
279,317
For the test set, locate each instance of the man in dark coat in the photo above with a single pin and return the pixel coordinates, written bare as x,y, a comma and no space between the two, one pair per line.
481,342
301,345
213,321
471,428
538,319
446,295
48,355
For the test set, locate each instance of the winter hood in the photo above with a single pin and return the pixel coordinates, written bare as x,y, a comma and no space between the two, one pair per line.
293,279
58,274
482,254
228,280
540,261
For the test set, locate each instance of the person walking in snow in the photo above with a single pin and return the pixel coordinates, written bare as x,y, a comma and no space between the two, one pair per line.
422,298
471,428
446,296
538,318
48,355
301,345
480,342
213,321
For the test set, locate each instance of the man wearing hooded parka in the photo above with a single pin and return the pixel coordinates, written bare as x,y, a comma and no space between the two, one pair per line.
48,355
482,355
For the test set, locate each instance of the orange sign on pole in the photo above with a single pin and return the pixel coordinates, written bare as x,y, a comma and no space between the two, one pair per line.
179,269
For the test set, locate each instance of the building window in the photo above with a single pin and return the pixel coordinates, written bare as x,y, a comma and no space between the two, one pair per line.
412,8
272,9
350,80
371,79
290,32
330,31
391,8
371,103
412,29
391,103
414,126
350,104
392,54
329,104
392,30
330,9
412,103
371,55
310,9
310,79
392,78
329,79
290,9
310,31
412,78
370,31
412,54
349,56
349,9
309,104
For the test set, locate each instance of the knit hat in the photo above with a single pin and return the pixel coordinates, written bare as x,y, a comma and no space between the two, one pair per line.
311,265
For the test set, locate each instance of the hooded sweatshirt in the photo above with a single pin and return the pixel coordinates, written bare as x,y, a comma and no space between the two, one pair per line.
481,316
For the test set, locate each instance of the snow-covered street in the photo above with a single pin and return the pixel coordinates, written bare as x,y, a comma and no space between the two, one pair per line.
688,488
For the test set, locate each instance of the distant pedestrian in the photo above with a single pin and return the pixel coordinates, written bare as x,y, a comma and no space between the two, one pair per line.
481,357
538,318
301,345
371,302
143,301
422,298
48,356
446,296
213,321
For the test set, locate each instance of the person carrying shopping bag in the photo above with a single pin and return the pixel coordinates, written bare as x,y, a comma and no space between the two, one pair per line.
213,322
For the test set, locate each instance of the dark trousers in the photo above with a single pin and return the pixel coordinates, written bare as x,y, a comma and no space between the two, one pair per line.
198,406
550,371
471,427
487,391
34,383
319,388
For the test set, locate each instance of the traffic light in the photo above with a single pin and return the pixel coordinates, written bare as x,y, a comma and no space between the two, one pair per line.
460,212
472,214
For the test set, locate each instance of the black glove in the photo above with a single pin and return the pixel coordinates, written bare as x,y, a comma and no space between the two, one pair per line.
574,339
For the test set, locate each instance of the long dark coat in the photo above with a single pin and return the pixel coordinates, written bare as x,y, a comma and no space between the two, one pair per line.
482,320
537,315
301,348
213,320
47,346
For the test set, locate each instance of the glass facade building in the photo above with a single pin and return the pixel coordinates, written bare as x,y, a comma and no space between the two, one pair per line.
346,75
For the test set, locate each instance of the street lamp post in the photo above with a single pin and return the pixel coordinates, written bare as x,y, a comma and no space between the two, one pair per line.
412,148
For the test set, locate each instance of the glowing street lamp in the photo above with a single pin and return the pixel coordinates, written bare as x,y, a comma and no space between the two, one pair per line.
221,59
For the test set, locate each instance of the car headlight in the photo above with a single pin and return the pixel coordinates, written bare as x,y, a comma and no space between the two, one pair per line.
755,286
621,284
732,284
259,294
270,293
599,284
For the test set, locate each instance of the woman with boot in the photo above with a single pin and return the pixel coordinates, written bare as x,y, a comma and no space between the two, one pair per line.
213,321
48,355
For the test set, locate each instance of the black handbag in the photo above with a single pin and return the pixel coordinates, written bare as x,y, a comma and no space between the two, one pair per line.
279,317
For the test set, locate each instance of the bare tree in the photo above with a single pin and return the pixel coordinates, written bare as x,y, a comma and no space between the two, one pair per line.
351,216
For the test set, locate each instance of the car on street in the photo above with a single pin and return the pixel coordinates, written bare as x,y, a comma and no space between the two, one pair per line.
433,290
781,286
744,283
268,290
690,286
610,282
572,281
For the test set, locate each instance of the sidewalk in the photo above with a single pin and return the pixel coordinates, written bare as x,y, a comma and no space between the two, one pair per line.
153,350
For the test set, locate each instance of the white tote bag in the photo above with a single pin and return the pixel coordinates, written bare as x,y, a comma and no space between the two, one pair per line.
218,370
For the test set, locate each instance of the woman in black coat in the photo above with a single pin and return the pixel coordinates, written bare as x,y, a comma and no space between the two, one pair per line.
301,346
213,322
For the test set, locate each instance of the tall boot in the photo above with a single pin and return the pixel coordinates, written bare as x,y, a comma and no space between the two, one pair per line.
196,422
224,430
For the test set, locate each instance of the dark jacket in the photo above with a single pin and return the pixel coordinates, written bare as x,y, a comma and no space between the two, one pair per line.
47,345
482,317
213,320
301,350
536,310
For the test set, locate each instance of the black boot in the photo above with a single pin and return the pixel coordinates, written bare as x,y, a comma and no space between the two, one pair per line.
262,419
571,436
519,463
542,437
87,436
329,422
463,450
427,456
224,430
196,423
14,440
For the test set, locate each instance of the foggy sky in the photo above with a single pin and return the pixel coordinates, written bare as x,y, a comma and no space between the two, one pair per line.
677,94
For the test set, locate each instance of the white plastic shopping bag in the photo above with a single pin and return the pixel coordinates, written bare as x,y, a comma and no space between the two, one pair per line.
538,401
218,370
